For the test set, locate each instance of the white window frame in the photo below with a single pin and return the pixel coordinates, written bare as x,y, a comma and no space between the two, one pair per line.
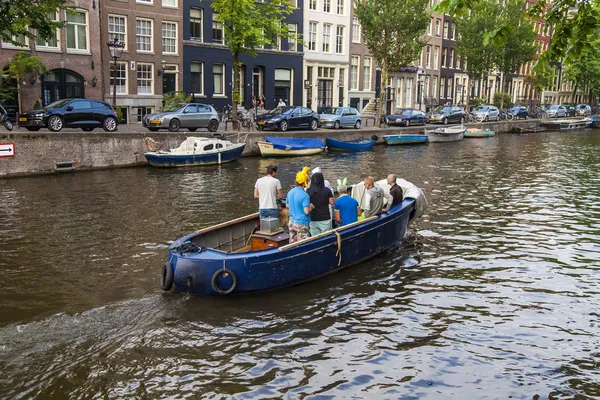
201,92
355,30
446,29
428,56
326,36
354,72
340,7
174,39
149,76
292,42
45,46
222,93
125,86
217,23
8,45
339,39
367,71
169,5
437,27
312,36
144,36
436,56
312,5
201,37
327,6
146,2
111,34
434,86
87,33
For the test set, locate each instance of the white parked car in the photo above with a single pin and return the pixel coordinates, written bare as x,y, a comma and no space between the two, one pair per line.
583,109
556,111
487,113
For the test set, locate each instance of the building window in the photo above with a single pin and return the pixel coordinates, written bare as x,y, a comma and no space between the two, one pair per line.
453,32
143,35
327,6
121,76
218,81
326,37
196,73
77,30
434,87
449,91
142,112
367,73
144,1
22,40
196,17
451,59
446,29
340,7
444,50
312,4
355,30
355,62
217,30
437,27
51,42
169,37
442,86
283,85
339,40
436,51
428,56
145,77
429,26
293,32
169,3
117,28
312,36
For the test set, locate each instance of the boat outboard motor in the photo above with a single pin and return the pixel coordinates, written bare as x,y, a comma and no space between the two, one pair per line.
4,119
375,137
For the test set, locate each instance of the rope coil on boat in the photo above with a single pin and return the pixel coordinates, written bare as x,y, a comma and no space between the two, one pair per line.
225,272
187,247
339,249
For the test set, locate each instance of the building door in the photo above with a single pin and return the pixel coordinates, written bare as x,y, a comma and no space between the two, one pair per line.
169,82
283,85
60,84
324,94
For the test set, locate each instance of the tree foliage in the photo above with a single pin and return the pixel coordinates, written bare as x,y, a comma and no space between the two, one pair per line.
393,31
24,67
17,17
249,25
584,70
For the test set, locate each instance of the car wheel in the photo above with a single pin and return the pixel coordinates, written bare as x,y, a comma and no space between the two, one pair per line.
32,128
213,125
283,126
192,129
153,129
55,123
87,129
462,120
407,123
174,125
336,125
314,124
527,117
357,124
445,121
487,119
110,124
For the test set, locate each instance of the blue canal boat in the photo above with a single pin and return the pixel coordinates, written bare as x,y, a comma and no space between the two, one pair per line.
351,145
406,139
194,151
233,258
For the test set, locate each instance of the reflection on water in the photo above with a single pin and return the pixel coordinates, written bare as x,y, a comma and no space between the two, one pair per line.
494,293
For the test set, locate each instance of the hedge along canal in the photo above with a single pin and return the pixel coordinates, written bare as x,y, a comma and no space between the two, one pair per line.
47,152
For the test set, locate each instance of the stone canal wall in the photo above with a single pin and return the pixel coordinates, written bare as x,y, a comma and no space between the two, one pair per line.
47,152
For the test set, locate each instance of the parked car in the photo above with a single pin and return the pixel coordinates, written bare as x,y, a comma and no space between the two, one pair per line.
583,109
336,117
183,115
284,118
448,114
556,111
519,112
571,111
408,117
489,113
71,113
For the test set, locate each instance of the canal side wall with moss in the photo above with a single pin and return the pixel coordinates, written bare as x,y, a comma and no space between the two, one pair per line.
48,152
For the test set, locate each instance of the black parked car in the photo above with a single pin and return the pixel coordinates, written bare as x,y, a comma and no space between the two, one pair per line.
519,112
71,113
448,114
284,118
571,111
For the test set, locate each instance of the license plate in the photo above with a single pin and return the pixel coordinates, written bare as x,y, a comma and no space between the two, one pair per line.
23,119
155,121
261,123
322,121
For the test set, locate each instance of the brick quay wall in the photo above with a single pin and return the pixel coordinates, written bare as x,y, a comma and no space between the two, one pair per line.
41,152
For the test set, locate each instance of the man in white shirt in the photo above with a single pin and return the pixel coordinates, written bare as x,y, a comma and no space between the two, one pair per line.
281,103
266,190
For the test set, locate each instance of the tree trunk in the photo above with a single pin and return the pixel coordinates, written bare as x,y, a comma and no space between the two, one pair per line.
18,99
235,93
574,93
471,85
382,93
502,83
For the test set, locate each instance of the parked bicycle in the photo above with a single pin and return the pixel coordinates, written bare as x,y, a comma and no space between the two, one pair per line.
225,113
248,122
505,115
4,119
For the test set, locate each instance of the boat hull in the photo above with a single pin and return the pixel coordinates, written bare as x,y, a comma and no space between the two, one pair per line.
566,124
438,138
479,133
274,268
596,124
394,140
268,150
351,145
167,160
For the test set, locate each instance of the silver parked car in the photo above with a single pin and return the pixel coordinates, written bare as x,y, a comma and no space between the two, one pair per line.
190,116
556,111
487,113
583,109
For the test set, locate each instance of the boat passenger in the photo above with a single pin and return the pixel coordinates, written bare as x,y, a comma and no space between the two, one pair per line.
303,176
395,190
374,196
266,191
346,209
298,202
321,198
327,185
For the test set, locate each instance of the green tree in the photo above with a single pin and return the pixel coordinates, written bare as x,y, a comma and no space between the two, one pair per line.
17,17
248,25
584,70
24,67
479,58
393,31
540,79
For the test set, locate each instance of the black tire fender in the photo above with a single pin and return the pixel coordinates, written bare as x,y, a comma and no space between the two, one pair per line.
166,277
224,272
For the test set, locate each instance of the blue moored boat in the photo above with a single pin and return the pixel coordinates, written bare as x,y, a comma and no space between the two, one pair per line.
351,145
195,151
220,260
405,139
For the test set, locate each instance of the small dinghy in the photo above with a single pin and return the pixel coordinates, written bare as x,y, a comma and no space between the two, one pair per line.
393,140
449,134
351,145
289,147
528,130
478,133
194,151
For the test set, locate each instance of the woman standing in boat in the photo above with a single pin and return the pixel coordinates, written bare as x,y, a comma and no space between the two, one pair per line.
321,198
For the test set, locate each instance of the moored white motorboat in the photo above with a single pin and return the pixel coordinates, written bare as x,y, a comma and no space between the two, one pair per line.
194,151
448,134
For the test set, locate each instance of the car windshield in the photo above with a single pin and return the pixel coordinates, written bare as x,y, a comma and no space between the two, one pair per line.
332,110
174,107
279,110
402,111
553,107
515,109
441,110
56,104
482,108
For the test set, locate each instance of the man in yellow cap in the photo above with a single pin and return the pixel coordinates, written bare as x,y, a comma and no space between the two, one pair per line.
298,201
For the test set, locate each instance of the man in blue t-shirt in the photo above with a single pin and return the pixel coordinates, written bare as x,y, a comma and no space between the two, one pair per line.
298,201
346,209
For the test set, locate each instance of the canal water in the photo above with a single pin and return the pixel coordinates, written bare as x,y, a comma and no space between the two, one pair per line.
494,294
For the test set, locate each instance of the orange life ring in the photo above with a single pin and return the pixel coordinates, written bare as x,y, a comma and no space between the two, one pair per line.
151,144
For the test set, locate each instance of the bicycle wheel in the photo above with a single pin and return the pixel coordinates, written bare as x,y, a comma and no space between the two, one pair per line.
509,117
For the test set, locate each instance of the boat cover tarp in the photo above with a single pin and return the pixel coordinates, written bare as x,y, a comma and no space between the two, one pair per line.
295,143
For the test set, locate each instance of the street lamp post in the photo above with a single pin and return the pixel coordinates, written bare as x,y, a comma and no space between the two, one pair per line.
116,50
